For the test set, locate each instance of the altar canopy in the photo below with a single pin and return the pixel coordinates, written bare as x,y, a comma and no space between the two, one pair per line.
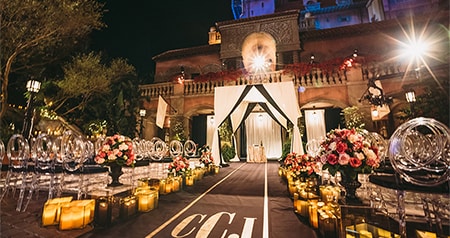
279,100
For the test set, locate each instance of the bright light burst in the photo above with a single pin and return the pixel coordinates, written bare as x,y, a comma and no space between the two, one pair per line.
422,46
259,63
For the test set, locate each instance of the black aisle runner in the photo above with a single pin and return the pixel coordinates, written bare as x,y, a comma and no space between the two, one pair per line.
229,205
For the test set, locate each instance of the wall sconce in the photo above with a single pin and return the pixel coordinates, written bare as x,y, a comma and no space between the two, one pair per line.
355,53
374,112
211,120
312,59
410,96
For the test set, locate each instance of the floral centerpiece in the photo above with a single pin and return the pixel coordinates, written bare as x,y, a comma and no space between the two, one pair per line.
301,166
350,153
116,149
115,152
206,159
179,165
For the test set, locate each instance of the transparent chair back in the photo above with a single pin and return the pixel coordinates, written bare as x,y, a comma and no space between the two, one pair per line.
176,148
190,148
160,149
419,152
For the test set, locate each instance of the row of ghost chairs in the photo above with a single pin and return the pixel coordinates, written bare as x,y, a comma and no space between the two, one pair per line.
65,163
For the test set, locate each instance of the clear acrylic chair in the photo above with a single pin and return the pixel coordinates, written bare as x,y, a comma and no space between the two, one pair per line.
18,153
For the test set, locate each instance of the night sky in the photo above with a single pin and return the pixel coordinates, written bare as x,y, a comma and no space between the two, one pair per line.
141,29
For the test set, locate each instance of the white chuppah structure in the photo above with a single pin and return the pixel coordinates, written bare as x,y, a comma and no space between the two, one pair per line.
279,100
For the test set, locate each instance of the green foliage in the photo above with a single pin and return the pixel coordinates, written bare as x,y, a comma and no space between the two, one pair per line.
286,149
94,91
228,152
353,117
431,104
177,128
35,35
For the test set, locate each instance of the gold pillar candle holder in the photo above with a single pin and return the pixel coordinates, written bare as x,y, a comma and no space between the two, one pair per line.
177,183
211,168
328,224
314,206
147,199
128,207
103,211
169,185
189,180
52,210
216,169
162,186
77,214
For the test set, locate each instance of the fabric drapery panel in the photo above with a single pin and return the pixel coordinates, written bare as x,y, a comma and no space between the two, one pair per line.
225,99
287,100
260,127
315,124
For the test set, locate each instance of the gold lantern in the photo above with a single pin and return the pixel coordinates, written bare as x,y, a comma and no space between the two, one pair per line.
52,210
77,214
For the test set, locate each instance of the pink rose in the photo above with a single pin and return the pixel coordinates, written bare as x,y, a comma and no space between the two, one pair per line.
341,147
344,159
355,162
332,159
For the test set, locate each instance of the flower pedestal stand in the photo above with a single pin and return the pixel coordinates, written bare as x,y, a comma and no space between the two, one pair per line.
350,183
115,171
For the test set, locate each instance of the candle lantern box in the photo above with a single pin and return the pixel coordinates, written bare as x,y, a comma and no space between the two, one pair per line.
103,211
77,214
147,199
365,230
52,210
128,206
189,180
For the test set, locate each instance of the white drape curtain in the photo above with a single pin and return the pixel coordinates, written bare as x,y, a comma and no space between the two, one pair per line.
209,130
315,124
260,127
224,100
286,99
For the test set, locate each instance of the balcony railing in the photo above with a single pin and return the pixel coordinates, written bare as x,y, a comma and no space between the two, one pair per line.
315,78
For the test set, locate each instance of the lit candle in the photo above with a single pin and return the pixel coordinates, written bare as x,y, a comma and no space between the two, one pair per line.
313,216
71,218
216,169
176,185
143,203
103,212
189,180
162,186
49,214
169,184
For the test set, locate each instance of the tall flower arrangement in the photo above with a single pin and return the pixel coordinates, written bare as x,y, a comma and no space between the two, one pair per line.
301,166
116,149
349,152
179,165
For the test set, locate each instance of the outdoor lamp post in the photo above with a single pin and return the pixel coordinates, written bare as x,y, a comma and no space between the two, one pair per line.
33,87
411,98
142,113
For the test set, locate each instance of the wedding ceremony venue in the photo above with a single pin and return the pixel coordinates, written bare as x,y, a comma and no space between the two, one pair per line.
235,118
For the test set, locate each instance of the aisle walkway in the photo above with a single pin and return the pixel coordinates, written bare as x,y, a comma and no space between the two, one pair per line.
243,200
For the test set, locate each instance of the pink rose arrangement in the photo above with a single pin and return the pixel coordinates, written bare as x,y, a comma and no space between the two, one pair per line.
348,151
206,158
116,149
303,166
179,165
